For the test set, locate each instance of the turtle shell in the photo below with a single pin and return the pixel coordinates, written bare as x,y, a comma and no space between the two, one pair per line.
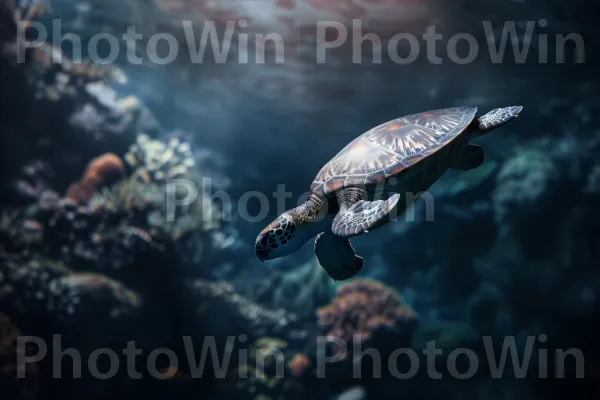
390,148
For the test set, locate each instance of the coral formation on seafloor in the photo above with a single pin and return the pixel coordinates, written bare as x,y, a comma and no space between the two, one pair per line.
90,238
38,288
271,371
364,309
157,162
365,314
98,172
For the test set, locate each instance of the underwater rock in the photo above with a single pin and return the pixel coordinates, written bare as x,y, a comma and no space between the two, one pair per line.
82,311
368,311
525,187
13,386
89,238
42,290
230,313
300,291
98,172
46,297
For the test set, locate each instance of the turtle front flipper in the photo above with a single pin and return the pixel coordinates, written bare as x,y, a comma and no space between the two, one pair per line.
498,117
337,257
357,215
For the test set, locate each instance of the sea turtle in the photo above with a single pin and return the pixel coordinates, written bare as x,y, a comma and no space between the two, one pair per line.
360,188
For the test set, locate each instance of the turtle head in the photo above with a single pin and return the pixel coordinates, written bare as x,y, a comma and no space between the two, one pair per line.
281,237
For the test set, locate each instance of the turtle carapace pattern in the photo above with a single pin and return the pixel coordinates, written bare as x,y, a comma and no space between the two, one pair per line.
360,189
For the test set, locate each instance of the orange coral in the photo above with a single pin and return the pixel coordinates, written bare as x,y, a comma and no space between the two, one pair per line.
100,171
298,364
364,307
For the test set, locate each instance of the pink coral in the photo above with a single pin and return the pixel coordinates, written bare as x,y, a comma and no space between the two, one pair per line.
365,307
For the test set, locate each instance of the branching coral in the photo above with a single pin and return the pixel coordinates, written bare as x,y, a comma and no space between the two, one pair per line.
367,308
155,161
100,171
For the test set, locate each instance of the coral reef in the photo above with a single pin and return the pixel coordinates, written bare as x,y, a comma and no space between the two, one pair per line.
270,372
45,290
195,228
367,310
157,162
95,239
78,310
365,314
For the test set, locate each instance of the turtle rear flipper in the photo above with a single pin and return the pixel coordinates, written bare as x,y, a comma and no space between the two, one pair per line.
498,117
336,256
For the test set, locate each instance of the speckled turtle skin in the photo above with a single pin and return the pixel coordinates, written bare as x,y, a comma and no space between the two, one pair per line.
408,153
